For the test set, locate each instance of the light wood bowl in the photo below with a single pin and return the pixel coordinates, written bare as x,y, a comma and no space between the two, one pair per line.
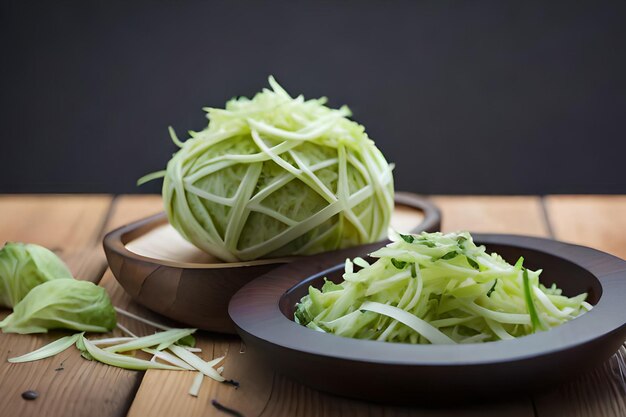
167,274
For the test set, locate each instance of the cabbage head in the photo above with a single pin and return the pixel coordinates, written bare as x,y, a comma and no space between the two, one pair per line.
23,266
273,176
62,304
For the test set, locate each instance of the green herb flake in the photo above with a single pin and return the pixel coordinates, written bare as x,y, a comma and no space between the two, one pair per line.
413,270
398,264
492,289
407,238
450,255
473,263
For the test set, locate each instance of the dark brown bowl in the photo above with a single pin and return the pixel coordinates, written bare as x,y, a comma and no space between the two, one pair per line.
404,373
170,276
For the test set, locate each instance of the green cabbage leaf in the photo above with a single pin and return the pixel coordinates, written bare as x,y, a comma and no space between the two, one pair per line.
62,304
23,266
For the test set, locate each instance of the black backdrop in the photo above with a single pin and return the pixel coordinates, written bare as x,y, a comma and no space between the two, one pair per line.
465,97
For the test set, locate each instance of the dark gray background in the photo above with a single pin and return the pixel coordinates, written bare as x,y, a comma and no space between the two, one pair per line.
465,97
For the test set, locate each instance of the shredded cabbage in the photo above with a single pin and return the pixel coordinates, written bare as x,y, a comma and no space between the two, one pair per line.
48,350
168,357
439,289
161,339
194,390
179,358
121,361
207,368
274,176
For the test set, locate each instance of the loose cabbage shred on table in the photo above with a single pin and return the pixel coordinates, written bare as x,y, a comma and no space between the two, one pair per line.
439,289
170,346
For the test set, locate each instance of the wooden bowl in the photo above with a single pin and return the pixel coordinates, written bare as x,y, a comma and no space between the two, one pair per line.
167,274
404,373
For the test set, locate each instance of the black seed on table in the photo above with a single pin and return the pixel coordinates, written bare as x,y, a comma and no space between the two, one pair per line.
225,409
232,382
30,395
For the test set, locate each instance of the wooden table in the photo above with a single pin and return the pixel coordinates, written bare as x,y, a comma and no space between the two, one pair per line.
74,225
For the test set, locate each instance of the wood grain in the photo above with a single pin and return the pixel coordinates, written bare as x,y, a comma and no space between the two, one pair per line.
128,208
164,393
290,399
491,214
77,388
598,222
72,225
69,225
82,387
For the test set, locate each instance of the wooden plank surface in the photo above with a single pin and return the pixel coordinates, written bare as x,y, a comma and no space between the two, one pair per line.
87,388
72,225
492,214
128,208
164,393
69,225
598,222
262,393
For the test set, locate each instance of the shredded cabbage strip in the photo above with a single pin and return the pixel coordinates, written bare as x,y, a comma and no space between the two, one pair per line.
436,288
275,176
48,350
178,358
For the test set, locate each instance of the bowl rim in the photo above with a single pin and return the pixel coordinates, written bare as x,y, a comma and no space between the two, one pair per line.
255,311
116,240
